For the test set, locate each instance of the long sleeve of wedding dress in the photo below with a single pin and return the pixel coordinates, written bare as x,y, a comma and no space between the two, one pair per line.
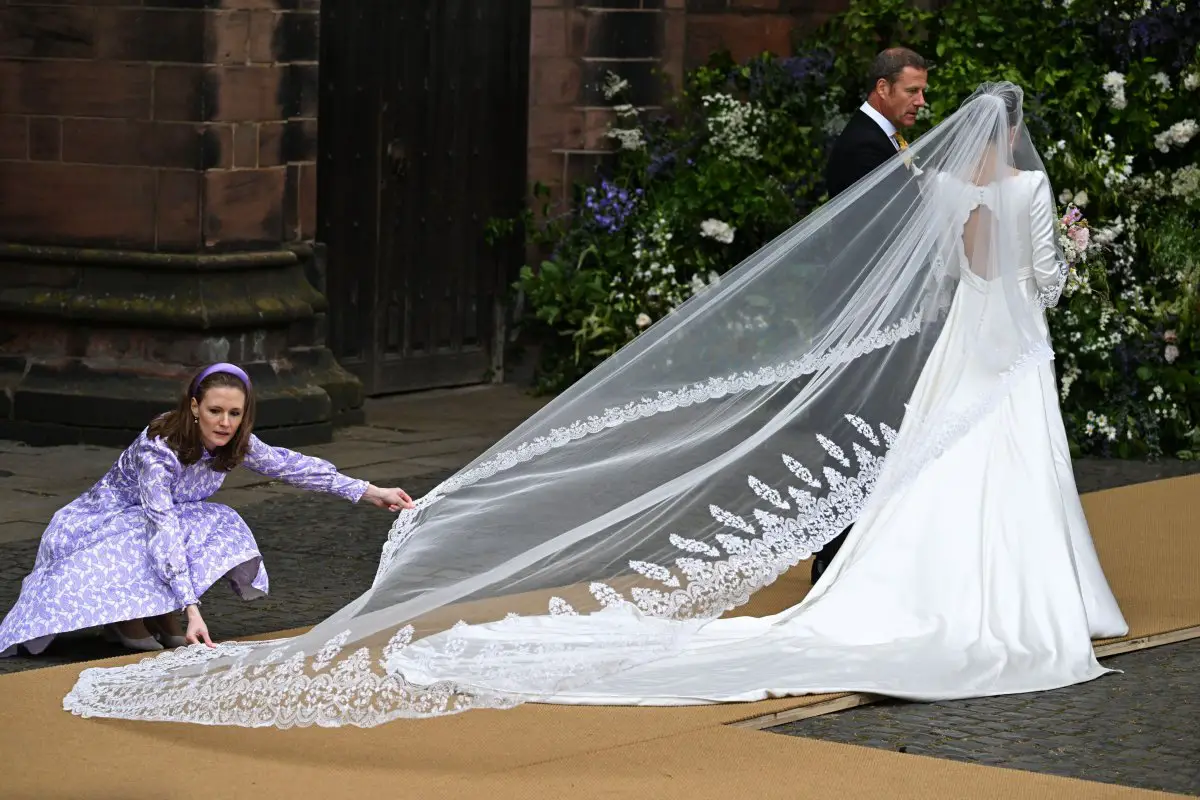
1049,271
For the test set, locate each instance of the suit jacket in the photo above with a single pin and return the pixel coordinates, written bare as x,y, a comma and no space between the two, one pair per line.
861,147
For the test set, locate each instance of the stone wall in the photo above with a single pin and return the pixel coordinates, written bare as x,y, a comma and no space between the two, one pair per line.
167,129
648,42
157,179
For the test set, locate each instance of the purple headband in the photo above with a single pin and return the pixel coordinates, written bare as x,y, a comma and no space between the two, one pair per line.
231,369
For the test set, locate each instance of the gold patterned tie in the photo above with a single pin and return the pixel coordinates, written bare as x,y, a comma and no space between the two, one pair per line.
900,141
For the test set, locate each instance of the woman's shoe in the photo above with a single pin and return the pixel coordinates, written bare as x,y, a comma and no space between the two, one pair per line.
171,642
146,644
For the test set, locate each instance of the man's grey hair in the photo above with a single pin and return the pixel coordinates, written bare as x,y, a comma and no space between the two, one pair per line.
889,64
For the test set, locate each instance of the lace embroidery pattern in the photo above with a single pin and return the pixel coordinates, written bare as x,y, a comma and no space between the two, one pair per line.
275,683
713,389
1048,297
768,546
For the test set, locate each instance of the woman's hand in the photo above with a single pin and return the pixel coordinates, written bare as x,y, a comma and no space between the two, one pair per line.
197,631
391,499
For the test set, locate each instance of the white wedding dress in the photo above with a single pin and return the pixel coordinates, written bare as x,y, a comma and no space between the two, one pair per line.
979,577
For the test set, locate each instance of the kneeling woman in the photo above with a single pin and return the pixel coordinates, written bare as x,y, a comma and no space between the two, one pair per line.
142,543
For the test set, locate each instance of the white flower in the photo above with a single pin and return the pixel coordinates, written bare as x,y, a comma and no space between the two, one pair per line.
1185,183
1081,199
1163,80
718,230
1051,151
1178,135
613,85
733,126
1107,235
629,138
1191,81
643,320
1114,84
1065,196
1170,353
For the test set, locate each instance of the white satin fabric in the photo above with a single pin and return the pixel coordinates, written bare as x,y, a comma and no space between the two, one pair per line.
977,578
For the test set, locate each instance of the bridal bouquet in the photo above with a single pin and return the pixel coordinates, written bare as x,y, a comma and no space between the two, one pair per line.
1073,235
1074,238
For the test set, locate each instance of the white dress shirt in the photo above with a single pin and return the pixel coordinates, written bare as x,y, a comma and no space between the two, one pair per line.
882,122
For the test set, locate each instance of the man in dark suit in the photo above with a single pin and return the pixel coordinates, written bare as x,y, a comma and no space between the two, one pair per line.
872,136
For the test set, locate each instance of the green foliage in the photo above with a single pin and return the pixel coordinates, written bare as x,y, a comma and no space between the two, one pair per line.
1112,96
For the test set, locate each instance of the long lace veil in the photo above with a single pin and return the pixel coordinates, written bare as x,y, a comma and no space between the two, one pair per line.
719,449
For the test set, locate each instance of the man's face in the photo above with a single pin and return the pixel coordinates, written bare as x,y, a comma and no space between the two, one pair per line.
903,99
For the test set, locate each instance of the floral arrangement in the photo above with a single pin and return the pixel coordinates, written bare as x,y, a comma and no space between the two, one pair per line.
1073,235
1075,241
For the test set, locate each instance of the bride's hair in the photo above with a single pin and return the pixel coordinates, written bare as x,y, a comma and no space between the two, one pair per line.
1010,94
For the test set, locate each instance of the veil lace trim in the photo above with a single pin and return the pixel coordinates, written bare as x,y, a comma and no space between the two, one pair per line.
363,689
713,389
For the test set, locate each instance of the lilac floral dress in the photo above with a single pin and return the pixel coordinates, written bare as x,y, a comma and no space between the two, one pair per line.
144,541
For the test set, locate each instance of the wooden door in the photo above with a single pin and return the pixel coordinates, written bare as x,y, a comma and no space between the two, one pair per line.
423,124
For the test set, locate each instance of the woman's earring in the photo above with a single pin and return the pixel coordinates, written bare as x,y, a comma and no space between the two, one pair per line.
196,420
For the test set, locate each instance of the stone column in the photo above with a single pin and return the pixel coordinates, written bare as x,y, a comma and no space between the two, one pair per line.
157,199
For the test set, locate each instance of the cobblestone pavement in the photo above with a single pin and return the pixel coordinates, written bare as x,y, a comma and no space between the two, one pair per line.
1137,729
1140,728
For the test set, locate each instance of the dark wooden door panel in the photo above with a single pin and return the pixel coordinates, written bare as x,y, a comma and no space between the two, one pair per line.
413,285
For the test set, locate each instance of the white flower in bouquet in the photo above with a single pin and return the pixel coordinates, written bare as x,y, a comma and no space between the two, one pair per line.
717,230
1073,235
1081,199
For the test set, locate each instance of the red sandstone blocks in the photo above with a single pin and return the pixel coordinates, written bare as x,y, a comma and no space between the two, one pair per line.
76,88
548,32
132,142
228,37
14,137
45,139
247,93
245,145
243,206
179,93
555,81
77,204
178,202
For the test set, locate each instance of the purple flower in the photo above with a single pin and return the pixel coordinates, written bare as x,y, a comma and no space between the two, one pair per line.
609,205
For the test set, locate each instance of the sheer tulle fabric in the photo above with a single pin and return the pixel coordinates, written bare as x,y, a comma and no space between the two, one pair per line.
718,450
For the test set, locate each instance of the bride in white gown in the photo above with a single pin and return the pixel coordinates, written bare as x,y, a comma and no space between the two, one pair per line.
978,578
595,549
